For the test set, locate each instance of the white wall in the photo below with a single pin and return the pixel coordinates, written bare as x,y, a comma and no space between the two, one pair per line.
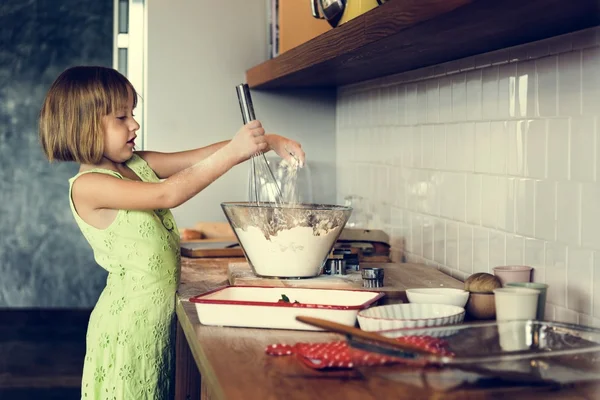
487,161
198,51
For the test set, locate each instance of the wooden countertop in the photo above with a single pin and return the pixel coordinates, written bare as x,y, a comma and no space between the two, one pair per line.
233,364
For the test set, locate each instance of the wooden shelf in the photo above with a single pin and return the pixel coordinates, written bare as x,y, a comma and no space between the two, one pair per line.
403,35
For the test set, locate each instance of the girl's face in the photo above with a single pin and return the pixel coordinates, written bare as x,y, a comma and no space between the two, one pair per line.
119,133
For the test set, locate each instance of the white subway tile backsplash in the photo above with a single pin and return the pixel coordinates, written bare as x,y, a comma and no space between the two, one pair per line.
459,97
485,161
412,195
396,141
417,139
467,146
565,315
439,147
535,253
427,146
389,106
439,241
437,178
524,209
428,241
547,84
457,190
381,179
453,147
516,146
422,103
489,200
507,203
489,81
433,101
549,311
590,215
596,285
412,112
579,280
534,256
465,248
373,112
514,250
473,199
480,250
556,273
526,90
405,141
452,244
445,100
474,93
535,149
545,210
507,75
497,249
428,192
569,84
568,210
483,152
538,274
582,149
498,147
402,106
591,81
558,150
417,233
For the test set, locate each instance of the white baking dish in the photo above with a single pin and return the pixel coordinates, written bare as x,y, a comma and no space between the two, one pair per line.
258,306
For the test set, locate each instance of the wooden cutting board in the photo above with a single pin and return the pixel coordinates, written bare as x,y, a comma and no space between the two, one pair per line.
398,278
211,248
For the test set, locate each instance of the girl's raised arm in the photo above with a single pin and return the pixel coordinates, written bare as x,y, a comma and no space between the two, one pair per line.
168,164
100,191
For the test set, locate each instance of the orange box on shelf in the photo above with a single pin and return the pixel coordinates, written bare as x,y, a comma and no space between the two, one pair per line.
297,24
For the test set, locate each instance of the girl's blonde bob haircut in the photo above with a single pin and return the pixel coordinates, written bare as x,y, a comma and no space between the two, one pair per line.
71,117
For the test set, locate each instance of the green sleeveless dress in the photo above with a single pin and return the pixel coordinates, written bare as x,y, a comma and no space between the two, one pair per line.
131,332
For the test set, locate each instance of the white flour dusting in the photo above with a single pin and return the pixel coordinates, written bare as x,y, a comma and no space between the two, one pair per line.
295,252
288,175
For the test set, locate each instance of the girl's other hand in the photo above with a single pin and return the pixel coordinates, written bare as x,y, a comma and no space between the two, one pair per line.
285,148
249,140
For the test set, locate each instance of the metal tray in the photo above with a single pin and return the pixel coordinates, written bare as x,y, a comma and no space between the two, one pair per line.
516,351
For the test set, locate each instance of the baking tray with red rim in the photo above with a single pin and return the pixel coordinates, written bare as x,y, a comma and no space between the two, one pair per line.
277,307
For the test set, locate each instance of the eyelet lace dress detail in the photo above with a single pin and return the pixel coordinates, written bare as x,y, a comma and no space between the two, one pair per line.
130,337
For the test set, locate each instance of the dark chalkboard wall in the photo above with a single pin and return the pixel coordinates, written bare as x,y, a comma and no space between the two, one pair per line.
44,260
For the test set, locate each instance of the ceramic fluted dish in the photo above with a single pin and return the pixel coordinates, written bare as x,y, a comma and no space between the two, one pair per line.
396,316
451,296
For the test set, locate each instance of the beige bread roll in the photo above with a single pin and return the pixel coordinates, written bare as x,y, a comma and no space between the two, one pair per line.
482,282
190,234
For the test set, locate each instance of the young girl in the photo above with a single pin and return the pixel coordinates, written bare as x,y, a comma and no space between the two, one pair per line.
121,199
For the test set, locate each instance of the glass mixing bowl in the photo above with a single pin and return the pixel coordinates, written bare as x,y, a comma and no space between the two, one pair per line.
291,241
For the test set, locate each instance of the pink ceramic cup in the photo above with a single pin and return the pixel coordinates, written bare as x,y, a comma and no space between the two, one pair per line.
513,273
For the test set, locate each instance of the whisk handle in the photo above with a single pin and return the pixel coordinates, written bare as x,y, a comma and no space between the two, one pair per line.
245,99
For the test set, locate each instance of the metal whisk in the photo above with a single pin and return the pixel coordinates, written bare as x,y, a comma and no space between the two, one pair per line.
258,162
